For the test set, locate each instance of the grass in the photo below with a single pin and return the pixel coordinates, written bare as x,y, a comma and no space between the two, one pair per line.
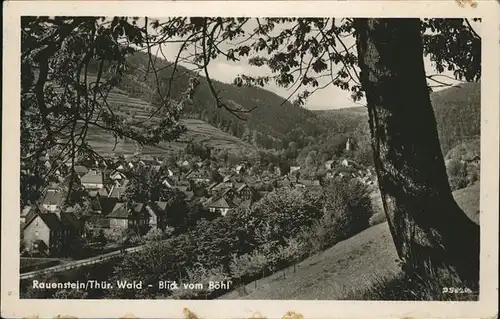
442,285
362,267
329,274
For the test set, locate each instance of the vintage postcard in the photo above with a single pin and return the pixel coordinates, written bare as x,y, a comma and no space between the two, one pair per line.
250,159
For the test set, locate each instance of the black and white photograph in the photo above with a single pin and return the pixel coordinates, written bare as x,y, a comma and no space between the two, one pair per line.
251,157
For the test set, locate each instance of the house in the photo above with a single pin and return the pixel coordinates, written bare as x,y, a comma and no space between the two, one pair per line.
294,169
284,182
329,165
117,176
229,193
240,169
45,234
101,192
94,179
344,163
222,206
53,200
28,212
129,216
168,182
157,214
245,192
303,183
476,160
184,163
71,223
118,192
199,176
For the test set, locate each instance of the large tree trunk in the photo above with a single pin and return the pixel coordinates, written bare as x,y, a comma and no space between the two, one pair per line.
425,221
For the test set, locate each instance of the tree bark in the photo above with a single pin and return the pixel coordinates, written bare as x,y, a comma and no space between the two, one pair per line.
426,223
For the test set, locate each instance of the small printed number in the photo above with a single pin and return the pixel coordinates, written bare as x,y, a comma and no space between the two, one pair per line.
456,290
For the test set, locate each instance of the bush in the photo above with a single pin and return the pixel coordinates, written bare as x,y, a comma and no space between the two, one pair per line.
348,207
378,218
457,174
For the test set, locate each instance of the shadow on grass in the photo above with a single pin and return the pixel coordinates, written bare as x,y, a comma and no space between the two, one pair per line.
433,285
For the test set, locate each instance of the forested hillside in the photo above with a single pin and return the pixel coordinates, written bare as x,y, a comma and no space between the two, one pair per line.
457,111
270,124
277,124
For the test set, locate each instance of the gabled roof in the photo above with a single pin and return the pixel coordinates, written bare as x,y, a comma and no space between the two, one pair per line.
107,204
241,187
119,211
28,210
117,192
54,197
223,203
92,177
214,184
50,219
125,210
80,169
161,204
70,220
158,207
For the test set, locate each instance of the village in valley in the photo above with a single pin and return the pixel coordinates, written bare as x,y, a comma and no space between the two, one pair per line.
52,228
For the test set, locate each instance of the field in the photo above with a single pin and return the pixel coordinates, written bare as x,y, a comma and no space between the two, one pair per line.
138,113
348,267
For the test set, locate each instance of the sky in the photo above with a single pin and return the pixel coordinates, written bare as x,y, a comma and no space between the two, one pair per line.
330,97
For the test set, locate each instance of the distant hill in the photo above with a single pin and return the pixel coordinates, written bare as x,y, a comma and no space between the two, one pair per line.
457,111
271,120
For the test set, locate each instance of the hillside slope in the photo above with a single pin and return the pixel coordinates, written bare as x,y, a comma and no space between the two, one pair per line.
140,111
270,120
351,265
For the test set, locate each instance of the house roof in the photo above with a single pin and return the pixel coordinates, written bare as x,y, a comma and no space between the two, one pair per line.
119,211
223,203
50,219
124,210
107,204
308,182
80,169
92,177
117,192
54,197
99,221
181,188
158,207
214,184
27,210
161,204
241,187
70,220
